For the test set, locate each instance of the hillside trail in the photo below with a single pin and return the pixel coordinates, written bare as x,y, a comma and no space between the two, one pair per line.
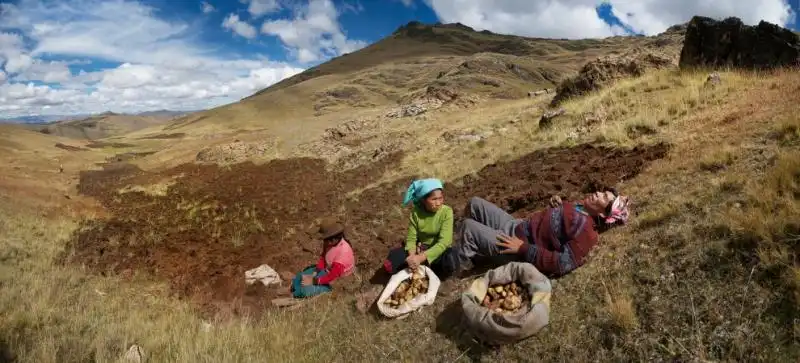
214,223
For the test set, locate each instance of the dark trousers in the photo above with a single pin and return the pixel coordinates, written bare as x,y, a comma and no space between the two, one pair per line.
443,267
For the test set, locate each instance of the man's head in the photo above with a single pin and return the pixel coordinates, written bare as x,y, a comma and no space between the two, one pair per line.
607,204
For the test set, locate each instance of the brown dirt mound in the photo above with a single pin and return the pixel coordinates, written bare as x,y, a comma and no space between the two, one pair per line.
214,224
176,135
102,144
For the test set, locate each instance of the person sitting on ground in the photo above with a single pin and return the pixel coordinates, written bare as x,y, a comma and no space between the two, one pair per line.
430,230
337,260
556,240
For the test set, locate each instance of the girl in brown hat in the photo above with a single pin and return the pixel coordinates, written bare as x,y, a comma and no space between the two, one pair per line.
337,260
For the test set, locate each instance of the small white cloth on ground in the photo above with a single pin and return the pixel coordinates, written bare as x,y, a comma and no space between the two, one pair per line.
267,275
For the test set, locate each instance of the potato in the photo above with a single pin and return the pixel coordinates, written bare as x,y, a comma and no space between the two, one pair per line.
409,289
504,298
512,303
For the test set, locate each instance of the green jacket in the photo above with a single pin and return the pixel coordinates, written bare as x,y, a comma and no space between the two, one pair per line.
432,230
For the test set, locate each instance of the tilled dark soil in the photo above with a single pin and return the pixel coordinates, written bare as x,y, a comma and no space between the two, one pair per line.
216,223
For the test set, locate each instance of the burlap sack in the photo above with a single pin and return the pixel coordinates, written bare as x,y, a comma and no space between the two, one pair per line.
494,328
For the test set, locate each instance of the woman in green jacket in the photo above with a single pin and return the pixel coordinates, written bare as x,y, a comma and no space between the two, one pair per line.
430,230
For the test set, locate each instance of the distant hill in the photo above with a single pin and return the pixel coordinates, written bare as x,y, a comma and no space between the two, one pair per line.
101,125
444,61
45,119
42,119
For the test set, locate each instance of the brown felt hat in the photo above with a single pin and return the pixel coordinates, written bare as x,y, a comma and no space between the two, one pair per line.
329,228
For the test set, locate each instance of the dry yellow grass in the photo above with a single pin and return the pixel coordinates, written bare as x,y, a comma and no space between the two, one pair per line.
706,271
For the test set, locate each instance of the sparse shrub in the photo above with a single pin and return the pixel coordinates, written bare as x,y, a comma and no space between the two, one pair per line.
787,133
716,161
640,128
673,110
621,313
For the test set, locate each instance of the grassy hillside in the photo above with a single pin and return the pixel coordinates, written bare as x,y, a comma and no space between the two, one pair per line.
706,271
448,64
696,276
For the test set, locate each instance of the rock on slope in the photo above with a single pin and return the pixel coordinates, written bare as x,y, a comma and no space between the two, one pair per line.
659,53
712,43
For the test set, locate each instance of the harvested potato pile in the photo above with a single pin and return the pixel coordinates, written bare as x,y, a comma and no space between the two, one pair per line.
409,289
506,298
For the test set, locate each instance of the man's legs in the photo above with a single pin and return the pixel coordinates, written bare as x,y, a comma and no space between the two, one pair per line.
480,240
489,215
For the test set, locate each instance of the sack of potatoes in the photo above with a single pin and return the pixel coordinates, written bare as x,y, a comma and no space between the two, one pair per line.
408,291
507,304
506,298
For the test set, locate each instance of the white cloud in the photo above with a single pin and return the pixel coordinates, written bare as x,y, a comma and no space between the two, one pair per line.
12,53
314,33
407,3
258,8
164,65
541,18
45,71
232,22
654,16
579,19
207,8
355,8
3,77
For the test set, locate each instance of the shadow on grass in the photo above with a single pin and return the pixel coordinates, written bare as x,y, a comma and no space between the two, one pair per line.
6,355
450,324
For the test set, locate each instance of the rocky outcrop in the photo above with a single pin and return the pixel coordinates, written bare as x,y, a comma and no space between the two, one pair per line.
731,43
236,152
604,71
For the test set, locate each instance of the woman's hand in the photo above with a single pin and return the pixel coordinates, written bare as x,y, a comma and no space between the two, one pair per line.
415,260
511,244
308,280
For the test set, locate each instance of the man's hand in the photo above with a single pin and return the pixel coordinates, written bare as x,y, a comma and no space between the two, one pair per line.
511,244
555,201
308,280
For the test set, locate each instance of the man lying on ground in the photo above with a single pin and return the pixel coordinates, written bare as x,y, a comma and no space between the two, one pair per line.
556,240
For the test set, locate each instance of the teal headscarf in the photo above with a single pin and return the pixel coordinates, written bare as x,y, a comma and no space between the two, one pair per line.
420,188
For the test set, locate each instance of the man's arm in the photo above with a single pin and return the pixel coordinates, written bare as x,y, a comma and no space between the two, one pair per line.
557,263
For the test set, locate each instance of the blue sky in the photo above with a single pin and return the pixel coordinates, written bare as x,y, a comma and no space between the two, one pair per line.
90,56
